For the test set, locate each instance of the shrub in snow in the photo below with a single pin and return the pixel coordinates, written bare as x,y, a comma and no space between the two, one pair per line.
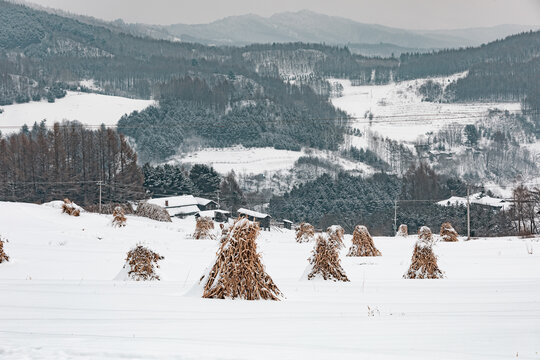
109,208
3,255
152,211
119,217
142,263
305,232
325,260
69,207
403,231
362,243
448,233
238,271
424,262
203,228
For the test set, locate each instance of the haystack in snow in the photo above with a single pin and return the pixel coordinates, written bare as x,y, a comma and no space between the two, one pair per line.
238,271
305,232
336,233
69,207
3,255
424,262
325,260
119,217
203,228
362,243
141,263
448,233
152,211
403,231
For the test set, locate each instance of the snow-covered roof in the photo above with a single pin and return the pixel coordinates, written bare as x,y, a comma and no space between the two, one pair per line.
178,201
212,213
183,210
287,221
477,198
252,213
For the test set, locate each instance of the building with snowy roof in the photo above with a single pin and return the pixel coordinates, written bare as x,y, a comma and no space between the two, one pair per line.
478,199
184,205
262,218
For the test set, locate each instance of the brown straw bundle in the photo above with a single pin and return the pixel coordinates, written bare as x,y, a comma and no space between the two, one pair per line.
238,271
203,228
403,231
305,232
142,263
448,233
325,260
336,233
119,217
68,207
362,243
153,211
3,255
424,261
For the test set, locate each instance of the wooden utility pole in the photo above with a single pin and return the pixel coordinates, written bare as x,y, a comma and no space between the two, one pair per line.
468,214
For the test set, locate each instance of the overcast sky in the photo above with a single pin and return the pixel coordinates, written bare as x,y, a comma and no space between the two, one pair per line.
409,14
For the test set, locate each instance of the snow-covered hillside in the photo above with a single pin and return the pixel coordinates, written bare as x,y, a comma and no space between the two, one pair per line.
87,108
59,300
399,112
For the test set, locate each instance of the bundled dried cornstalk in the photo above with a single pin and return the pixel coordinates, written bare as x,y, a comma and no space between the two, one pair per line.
424,262
203,228
3,255
403,231
152,211
305,232
68,207
325,260
238,271
119,217
448,233
142,263
336,232
362,243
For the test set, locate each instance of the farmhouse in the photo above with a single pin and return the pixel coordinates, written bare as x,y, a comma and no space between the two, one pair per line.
478,199
261,218
216,215
184,205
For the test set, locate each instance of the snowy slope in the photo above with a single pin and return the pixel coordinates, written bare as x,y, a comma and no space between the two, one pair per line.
399,112
59,300
259,160
87,108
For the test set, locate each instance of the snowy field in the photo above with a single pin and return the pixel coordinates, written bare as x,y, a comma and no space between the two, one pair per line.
399,112
59,300
87,108
259,160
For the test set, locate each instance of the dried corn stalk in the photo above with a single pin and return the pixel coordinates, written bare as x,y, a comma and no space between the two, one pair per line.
305,232
403,231
142,263
448,233
3,255
325,260
362,243
424,262
68,207
203,228
238,271
152,211
119,217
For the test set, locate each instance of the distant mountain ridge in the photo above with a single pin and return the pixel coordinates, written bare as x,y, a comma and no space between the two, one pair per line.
308,26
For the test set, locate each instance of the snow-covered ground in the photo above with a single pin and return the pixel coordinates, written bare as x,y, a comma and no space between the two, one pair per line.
399,112
87,108
59,300
259,160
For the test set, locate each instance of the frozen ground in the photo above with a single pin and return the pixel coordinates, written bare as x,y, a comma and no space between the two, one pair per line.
259,160
59,301
399,112
87,108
